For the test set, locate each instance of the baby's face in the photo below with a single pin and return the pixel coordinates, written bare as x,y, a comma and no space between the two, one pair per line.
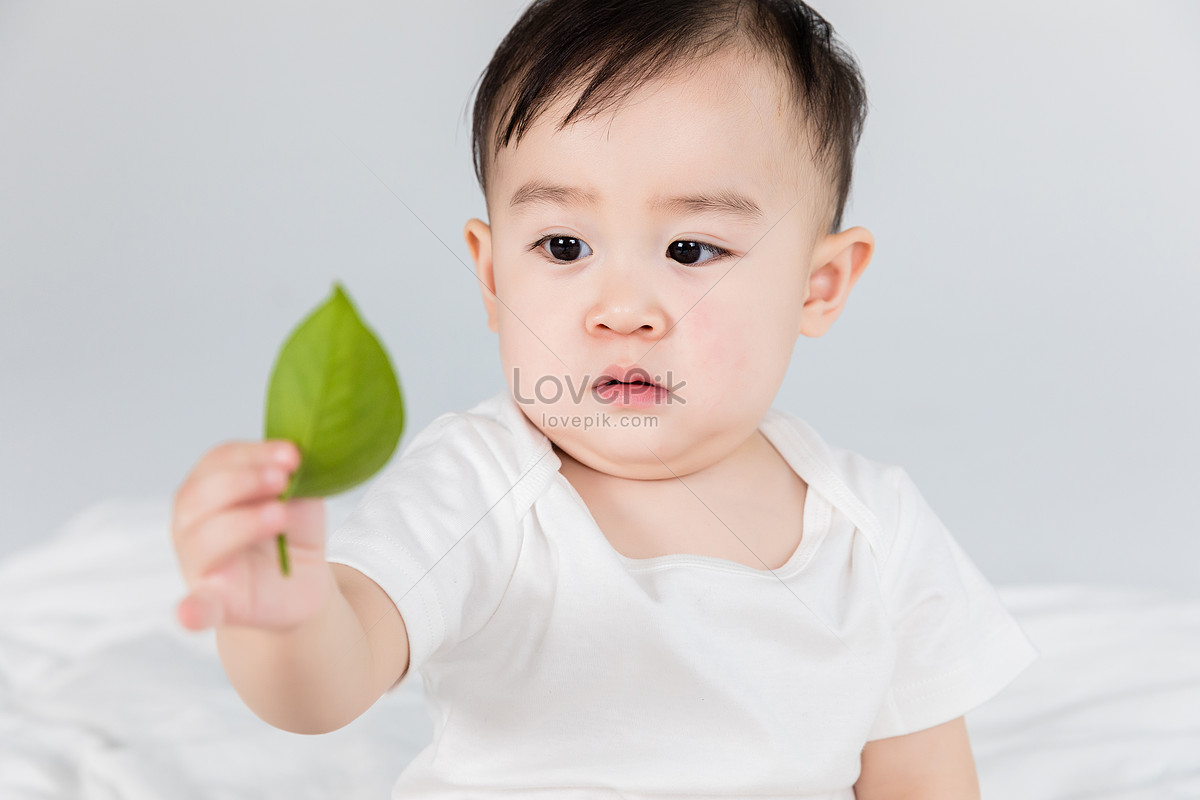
709,302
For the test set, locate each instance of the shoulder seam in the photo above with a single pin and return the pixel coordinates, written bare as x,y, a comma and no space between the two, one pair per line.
838,491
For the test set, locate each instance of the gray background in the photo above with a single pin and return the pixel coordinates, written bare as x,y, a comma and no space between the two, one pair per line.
180,184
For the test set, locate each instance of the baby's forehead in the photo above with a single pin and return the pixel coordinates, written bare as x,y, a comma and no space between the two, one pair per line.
743,176
708,126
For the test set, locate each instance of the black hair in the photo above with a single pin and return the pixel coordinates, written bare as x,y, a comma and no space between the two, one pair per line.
620,44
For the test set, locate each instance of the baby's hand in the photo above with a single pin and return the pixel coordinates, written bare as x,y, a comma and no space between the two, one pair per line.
225,520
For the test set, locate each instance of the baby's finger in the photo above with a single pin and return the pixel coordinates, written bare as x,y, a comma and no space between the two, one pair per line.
230,456
242,454
222,536
201,609
211,494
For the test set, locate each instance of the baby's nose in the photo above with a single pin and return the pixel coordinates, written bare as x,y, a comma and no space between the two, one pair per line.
627,316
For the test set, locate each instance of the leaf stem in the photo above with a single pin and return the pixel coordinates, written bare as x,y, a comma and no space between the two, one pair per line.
281,539
283,558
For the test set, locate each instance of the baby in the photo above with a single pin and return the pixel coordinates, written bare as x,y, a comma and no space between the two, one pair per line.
628,574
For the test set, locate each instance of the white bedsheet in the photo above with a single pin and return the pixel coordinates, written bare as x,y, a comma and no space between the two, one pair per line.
103,695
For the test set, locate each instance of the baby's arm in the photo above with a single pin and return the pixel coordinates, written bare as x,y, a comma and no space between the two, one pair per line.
932,764
319,676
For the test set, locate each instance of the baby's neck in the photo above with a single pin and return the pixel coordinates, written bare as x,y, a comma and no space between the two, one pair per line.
753,492
753,463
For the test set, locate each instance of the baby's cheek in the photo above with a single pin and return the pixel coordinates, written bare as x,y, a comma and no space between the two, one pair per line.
737,356
715,346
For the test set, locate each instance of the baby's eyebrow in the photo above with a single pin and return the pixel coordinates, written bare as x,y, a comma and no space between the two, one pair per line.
725,202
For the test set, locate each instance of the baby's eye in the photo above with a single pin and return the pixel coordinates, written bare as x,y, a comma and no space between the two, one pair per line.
689,252
565,249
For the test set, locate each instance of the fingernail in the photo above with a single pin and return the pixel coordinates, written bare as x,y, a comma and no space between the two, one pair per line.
285,455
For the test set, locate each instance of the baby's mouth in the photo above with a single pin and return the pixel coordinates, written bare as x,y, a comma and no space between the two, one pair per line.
631,375
629,386
633,393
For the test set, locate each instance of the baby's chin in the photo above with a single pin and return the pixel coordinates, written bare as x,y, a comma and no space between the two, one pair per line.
613,465
659,454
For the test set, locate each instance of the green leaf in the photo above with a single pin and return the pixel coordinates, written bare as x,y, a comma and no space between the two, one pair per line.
334,394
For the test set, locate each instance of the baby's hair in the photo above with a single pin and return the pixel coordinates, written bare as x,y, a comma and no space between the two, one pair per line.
617,45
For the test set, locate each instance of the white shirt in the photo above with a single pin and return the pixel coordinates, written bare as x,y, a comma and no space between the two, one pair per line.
551,661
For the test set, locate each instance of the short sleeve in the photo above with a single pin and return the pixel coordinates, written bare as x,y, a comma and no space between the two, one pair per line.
957,645
438,532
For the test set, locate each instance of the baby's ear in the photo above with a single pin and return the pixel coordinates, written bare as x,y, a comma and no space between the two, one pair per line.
479,242
838,261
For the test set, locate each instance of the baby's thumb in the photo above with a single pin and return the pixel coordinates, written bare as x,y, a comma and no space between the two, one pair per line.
200,610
